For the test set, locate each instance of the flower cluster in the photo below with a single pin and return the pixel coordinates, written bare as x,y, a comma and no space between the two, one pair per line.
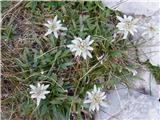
127,25
96,99
54,26
82,47
130,25
150,30
39,92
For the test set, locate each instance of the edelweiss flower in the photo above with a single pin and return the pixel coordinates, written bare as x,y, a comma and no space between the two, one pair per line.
127,25
39,92
81,47
54,26
151,30
95,99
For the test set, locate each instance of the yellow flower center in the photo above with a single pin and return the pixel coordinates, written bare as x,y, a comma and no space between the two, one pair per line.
53,26
128,25
38,91
96,98
82,46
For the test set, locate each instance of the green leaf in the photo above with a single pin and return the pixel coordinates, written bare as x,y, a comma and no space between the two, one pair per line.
65,65
57,55
116,53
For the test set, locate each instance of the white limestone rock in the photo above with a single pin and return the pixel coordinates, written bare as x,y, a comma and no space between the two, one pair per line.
137,7
139,102
146,83
127,104
149,48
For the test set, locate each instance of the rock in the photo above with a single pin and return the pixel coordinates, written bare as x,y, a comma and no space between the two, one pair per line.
135,103
145,82
137,7
128,104
149,48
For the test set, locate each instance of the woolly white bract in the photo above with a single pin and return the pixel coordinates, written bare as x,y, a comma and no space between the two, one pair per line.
127,25
96,99
54,26
39,92
81,47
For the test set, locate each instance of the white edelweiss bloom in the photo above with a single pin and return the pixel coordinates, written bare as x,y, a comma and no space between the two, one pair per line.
39,92
151,30
81,47
96,99
127,25
54,26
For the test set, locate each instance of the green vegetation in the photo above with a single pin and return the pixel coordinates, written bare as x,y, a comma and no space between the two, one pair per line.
28,57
